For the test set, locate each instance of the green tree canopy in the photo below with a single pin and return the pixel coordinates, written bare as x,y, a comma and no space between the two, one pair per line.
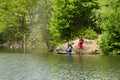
69,16
108,20
15,17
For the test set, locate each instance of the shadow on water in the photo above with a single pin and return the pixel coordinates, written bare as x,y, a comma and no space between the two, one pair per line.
21,50
8,50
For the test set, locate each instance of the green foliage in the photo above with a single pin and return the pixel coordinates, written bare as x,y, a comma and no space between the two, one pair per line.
108,20
69,17
11,34
40,25
15,18
90,34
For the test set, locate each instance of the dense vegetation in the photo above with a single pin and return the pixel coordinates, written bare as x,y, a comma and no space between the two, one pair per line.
15,20
108,18
71,17
56,21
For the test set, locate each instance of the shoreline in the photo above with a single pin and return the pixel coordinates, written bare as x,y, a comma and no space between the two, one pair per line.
90,47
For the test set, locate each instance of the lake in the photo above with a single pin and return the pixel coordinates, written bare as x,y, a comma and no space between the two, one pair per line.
51,66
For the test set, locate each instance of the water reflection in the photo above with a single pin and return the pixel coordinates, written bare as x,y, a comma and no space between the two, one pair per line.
51,66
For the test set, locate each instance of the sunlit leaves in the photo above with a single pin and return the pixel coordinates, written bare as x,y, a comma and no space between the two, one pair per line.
108,16
15,16
69,16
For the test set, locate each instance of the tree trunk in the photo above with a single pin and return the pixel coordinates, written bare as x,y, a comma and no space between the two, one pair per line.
24,42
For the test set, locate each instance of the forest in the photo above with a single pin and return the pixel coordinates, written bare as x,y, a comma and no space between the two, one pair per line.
32,23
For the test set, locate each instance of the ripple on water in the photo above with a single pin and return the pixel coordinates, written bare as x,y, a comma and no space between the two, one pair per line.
52,67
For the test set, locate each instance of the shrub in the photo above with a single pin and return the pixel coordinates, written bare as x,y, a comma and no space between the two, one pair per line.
90,34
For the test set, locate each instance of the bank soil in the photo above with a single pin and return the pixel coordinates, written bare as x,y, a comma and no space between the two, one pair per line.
89,46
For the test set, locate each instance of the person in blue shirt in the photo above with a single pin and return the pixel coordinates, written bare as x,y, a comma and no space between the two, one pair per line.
69,48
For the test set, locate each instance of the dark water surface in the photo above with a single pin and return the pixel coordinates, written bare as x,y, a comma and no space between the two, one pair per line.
49,66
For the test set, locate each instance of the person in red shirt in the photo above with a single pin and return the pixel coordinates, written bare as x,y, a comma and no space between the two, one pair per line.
80,44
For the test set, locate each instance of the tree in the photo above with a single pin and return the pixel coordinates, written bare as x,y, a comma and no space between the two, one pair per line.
69,17
108,20
15,15
40,21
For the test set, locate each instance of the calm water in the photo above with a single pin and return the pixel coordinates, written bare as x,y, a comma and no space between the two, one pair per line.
49,66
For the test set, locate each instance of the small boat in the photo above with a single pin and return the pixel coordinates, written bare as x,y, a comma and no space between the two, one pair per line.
66,53
62,52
